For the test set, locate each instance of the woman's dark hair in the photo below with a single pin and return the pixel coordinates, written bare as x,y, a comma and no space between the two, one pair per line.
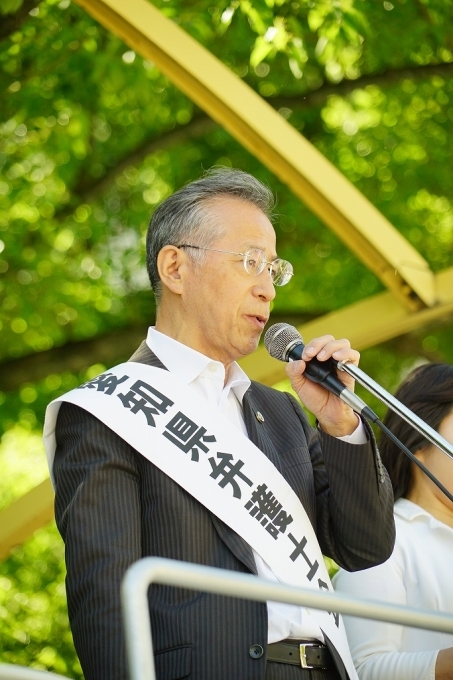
428,392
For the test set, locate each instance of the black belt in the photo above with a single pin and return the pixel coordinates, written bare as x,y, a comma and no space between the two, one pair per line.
300,653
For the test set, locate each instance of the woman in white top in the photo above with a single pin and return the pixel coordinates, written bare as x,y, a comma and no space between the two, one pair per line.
419,573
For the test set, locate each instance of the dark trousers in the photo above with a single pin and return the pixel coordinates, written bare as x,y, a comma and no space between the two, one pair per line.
284,671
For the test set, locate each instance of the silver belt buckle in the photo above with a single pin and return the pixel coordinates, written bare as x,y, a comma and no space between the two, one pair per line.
303,655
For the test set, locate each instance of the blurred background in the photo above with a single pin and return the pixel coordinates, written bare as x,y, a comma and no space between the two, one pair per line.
93,137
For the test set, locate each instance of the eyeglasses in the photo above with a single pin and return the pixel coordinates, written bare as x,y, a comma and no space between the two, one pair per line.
254,261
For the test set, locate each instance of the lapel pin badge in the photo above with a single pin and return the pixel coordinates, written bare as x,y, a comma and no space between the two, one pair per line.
259,416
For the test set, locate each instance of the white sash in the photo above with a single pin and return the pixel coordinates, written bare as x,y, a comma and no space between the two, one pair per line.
195,445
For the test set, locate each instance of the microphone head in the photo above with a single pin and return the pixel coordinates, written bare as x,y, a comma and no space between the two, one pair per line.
280,339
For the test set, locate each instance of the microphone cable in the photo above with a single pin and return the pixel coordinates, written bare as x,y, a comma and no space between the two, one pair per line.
410,455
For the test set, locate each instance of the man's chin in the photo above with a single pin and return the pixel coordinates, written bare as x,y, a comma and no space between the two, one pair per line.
250,346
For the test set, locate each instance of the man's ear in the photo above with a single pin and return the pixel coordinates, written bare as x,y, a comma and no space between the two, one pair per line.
169,263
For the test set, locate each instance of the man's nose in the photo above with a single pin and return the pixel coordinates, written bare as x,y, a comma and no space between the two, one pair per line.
264,286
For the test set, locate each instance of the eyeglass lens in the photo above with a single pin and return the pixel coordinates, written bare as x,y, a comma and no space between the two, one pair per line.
280,270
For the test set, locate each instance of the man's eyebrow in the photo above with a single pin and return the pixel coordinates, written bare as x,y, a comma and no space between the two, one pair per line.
250,246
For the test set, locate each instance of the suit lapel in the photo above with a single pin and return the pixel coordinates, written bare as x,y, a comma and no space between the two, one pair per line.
257,430
143,355
257,433
236,544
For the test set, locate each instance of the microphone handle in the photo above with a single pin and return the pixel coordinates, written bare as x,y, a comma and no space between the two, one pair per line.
323,373
316,370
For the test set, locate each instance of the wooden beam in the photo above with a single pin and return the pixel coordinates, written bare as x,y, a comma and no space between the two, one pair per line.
20,519
260,129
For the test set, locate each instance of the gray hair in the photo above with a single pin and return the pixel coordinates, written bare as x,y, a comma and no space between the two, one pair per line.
185,216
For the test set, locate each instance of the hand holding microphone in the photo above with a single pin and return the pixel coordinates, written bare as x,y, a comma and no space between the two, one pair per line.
317,374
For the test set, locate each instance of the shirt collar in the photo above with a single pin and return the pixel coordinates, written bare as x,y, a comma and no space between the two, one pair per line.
411,511
190,364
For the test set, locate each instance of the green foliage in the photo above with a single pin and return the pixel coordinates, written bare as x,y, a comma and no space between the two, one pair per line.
9,6
93,137
33,614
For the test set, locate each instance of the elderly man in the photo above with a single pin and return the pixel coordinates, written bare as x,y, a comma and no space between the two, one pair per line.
234,478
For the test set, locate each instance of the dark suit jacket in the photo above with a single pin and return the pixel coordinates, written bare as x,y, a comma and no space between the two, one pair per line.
113,507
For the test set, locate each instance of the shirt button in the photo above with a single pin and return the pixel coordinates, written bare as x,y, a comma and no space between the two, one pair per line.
256,651
212,368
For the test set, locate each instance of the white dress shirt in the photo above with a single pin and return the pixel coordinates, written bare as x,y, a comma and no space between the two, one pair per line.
418,574
207,378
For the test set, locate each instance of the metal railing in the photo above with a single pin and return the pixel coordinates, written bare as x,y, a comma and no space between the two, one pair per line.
151,570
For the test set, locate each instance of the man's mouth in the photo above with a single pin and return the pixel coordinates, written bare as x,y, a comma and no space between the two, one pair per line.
260,320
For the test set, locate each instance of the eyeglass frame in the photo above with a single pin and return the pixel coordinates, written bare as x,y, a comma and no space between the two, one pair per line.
244,259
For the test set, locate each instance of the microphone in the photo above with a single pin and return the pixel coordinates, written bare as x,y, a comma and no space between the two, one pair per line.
284,342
